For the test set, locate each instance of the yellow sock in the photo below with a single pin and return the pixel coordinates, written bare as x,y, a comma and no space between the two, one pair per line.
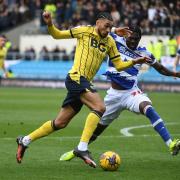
42,131
90,125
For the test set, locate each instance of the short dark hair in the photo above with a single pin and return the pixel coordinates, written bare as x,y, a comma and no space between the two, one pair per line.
104,15
136,29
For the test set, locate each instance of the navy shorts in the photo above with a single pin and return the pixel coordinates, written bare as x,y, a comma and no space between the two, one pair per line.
75,90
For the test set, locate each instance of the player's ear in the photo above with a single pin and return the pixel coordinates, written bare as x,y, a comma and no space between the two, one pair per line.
98,22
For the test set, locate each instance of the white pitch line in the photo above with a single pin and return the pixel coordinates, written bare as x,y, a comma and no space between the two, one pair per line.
66,138
125,131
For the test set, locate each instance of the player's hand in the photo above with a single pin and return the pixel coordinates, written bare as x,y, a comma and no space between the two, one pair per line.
47,18
141,60
123,31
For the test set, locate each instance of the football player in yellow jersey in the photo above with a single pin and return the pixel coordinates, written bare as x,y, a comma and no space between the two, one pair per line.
93,44
3,52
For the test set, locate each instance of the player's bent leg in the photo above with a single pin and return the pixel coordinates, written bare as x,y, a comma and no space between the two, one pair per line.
63,118
160,127
70,155
96,104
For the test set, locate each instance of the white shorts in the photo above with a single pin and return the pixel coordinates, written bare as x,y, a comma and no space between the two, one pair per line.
118,100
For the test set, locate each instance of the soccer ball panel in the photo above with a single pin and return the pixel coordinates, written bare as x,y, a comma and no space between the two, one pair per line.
110,161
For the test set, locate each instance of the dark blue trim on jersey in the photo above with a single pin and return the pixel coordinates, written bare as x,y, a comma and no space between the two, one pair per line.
141,48
110,64
126,51
120,80
113,35
132,71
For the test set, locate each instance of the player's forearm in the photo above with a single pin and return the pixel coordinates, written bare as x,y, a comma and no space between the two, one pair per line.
163,70
121,65
58,34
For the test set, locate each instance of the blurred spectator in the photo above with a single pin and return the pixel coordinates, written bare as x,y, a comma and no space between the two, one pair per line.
23,11
60,13
3,53
13,53
158,50
29,54
172,46
115,14
150,47
10,74
44,54
4,19
65,57
56,51
51,7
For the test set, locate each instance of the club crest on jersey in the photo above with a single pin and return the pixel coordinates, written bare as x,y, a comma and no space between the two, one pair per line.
100,46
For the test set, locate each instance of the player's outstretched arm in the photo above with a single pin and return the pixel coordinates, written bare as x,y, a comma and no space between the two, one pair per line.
163,70
53,31
121,65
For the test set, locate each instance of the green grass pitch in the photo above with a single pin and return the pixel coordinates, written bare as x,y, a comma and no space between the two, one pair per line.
144,155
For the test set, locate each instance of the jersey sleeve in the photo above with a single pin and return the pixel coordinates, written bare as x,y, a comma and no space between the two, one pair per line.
113,51
58,34
115,58
77,32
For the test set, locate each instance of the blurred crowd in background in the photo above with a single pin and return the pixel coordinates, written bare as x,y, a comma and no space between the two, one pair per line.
153,16
158,49
44,54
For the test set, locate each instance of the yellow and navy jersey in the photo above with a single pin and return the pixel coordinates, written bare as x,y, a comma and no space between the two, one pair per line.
3,52
91,49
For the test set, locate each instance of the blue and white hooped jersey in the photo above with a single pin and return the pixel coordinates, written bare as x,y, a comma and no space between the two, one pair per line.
127,78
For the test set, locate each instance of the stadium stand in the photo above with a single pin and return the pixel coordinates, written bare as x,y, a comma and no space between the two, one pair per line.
47,70
59,70
155,17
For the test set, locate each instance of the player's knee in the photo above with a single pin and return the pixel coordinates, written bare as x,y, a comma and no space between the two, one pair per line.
143,106
101,108
59,124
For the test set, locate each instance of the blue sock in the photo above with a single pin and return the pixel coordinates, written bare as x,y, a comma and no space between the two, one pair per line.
158,124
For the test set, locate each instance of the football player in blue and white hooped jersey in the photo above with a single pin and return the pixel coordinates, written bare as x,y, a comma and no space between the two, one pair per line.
124,93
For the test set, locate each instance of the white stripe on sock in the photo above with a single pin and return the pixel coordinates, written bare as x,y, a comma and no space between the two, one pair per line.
157,122
145,109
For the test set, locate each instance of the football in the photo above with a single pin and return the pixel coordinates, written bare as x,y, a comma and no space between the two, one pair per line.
110,161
